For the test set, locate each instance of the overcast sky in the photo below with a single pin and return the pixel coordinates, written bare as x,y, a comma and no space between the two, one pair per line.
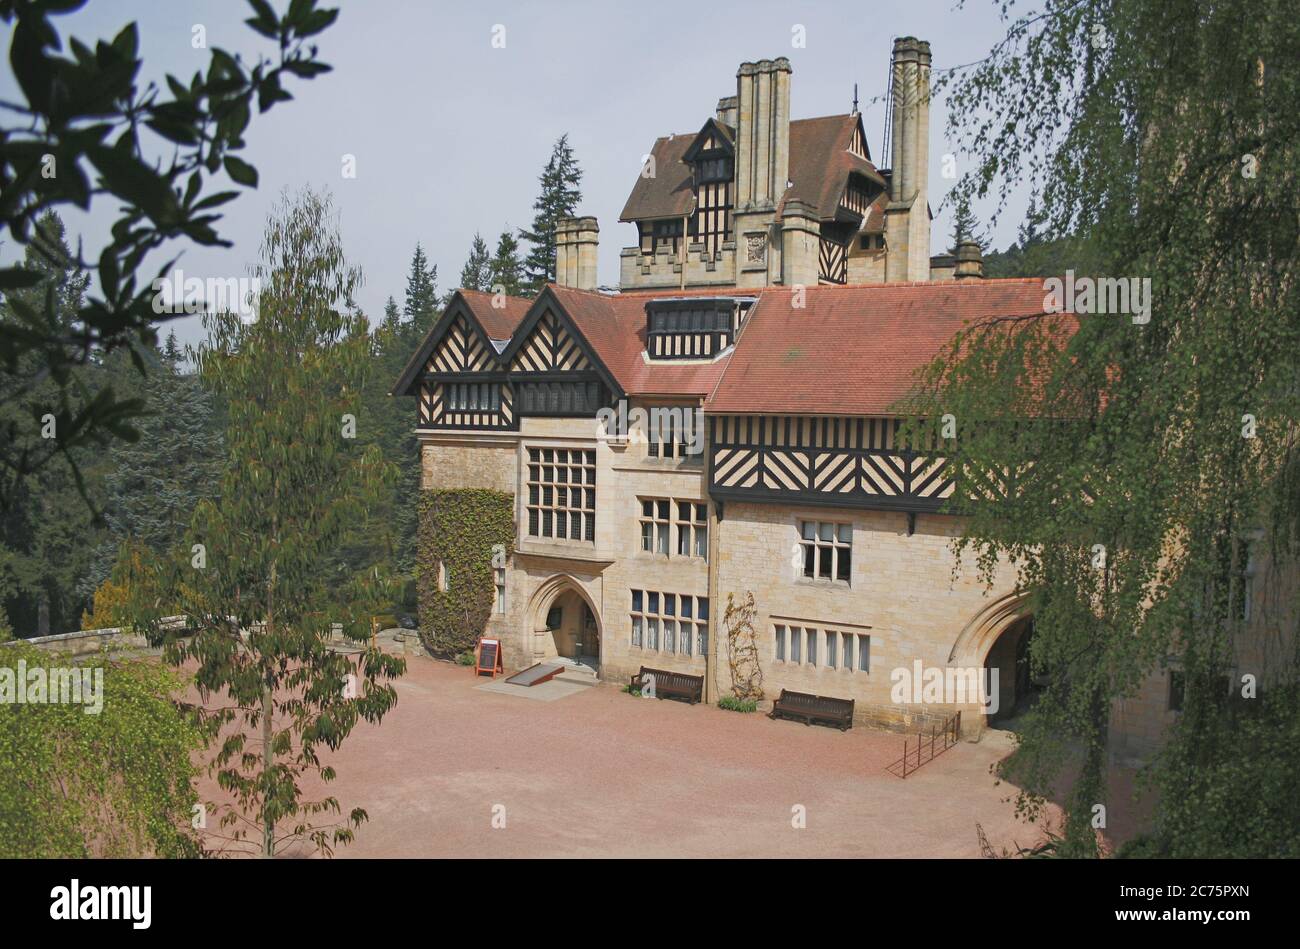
450,133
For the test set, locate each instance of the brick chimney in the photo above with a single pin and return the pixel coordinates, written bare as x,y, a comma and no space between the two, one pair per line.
576,242
908,217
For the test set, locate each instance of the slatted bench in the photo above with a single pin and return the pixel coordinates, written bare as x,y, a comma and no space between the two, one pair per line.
674,684
808,708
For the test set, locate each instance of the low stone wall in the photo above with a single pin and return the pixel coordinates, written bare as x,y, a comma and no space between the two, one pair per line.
86,641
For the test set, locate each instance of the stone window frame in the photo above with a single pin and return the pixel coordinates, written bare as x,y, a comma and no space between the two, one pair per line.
535,503
816,544
694,528
649,610
812,645
674,527
656,527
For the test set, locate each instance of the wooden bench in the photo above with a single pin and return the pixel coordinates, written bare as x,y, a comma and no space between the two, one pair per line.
809,708
674,684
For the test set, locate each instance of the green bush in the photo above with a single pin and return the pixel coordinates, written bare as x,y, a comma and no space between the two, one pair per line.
632,689
460,528
733,704
465,659
117,783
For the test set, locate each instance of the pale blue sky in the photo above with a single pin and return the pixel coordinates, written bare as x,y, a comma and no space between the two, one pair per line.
450,133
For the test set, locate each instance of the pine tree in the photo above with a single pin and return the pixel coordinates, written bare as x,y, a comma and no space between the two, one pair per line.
559,198
421,291
963,224
156,483
477,272
392,316
258,579
506,271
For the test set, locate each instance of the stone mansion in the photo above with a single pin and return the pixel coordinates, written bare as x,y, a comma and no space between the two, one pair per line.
777,299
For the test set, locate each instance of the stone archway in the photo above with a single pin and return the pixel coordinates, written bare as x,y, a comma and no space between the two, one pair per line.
563,622
995,638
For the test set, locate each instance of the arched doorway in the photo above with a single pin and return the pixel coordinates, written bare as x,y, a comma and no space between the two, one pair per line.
998,638
564,624
1009,655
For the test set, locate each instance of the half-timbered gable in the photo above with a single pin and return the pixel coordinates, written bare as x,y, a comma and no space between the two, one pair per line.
549,347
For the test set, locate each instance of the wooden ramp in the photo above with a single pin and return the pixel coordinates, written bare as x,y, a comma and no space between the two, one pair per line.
536,674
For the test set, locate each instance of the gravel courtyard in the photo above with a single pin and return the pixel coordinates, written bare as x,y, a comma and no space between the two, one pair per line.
601,773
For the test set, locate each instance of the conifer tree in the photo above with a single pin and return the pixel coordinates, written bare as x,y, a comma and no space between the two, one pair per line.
156,482
477,272
559,198
506,271
421,291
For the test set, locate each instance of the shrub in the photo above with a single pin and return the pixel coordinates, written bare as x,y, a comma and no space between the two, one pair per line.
733,704
465,659
118,783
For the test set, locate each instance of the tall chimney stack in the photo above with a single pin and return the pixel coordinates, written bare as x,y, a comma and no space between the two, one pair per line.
909,230
762,133
576,242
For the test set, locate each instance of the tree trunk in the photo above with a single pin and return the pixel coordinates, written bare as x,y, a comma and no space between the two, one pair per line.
268,825
43,613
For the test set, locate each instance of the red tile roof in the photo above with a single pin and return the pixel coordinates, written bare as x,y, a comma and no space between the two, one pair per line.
498,322
820,162
853,350
615,326
671,191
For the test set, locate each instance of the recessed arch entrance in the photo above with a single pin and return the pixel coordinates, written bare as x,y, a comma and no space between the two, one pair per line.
563,622
998,638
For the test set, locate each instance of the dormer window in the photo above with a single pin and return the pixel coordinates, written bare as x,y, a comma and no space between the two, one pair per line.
689,329
714,169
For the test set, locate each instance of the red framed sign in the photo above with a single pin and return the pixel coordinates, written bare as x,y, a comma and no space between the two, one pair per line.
488,658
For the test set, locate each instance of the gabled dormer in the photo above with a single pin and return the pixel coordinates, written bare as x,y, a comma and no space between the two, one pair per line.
693,327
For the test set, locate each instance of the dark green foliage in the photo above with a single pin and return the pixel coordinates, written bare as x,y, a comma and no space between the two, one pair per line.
47,533
463,529
559,198
477,272
421,306
86,113
507,270
156,482
114,784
